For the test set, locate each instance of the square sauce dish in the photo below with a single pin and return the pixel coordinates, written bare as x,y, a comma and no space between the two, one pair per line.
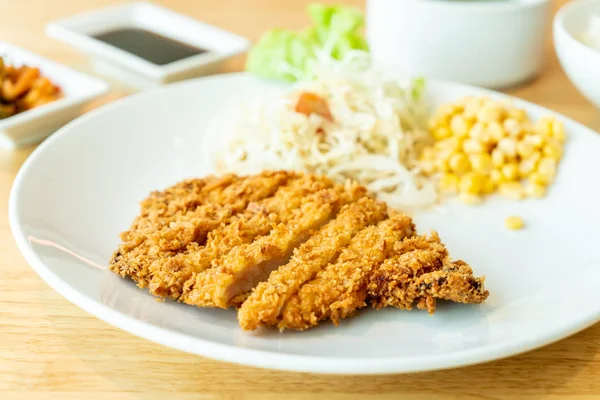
147,45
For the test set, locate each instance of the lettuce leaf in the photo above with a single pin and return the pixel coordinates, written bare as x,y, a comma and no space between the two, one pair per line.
285,55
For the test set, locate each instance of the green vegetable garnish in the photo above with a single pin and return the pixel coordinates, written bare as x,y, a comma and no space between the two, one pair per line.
418,86
285,55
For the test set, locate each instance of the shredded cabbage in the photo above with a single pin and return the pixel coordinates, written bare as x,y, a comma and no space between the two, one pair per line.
375,138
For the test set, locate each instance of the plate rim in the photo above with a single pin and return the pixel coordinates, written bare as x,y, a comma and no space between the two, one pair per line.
265,358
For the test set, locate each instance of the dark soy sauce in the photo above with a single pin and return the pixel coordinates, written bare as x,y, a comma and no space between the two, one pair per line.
150,46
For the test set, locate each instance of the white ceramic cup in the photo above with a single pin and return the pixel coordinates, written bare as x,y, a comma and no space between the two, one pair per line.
493,44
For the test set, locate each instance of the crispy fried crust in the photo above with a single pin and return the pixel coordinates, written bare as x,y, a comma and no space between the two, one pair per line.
247,265
420,271
288,249
341,287
168,224
268,298
174,276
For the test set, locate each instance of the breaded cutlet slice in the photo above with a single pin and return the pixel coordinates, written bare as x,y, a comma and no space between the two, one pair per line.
161,207
420,271
340,288
263,306
246,265
188,222
173,276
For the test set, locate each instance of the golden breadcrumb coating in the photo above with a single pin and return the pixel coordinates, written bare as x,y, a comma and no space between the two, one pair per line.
247,265
268,298
420,271
341,287
171,277
186,220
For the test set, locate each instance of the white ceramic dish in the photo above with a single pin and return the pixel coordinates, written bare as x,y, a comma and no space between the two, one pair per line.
542,280
486,43
580,62
34,125
78,31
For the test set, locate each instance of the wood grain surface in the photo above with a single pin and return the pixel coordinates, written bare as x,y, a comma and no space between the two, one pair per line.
50,349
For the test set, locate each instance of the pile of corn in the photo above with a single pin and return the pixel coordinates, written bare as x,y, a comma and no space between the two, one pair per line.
484,146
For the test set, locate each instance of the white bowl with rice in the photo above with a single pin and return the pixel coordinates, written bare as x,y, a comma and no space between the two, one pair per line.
577,41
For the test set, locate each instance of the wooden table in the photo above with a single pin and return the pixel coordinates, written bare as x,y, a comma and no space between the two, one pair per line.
50,349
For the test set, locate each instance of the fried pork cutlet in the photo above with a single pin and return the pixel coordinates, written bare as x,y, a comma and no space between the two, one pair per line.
288,249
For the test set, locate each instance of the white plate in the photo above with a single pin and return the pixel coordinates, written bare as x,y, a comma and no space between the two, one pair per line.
81,187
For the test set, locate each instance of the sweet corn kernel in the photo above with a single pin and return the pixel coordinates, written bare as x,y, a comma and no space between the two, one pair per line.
547,166
544,177
512,190
471,146
459,163
539,179
452,144
514,223
537,156
536,140
470,199
535,190
528,128
471,183
481,163
553,150
526,167
470,111
508,146
512,127
459,126
448,146
476,131
498,157
489,113
442,165
449,183
445,111
441,133
558,131
488,187
495,132
510,171
525,149
496,176
544,127
517,114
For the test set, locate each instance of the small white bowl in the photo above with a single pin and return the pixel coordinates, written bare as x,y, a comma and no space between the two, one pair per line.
580,62
78,31
493,44
36,124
